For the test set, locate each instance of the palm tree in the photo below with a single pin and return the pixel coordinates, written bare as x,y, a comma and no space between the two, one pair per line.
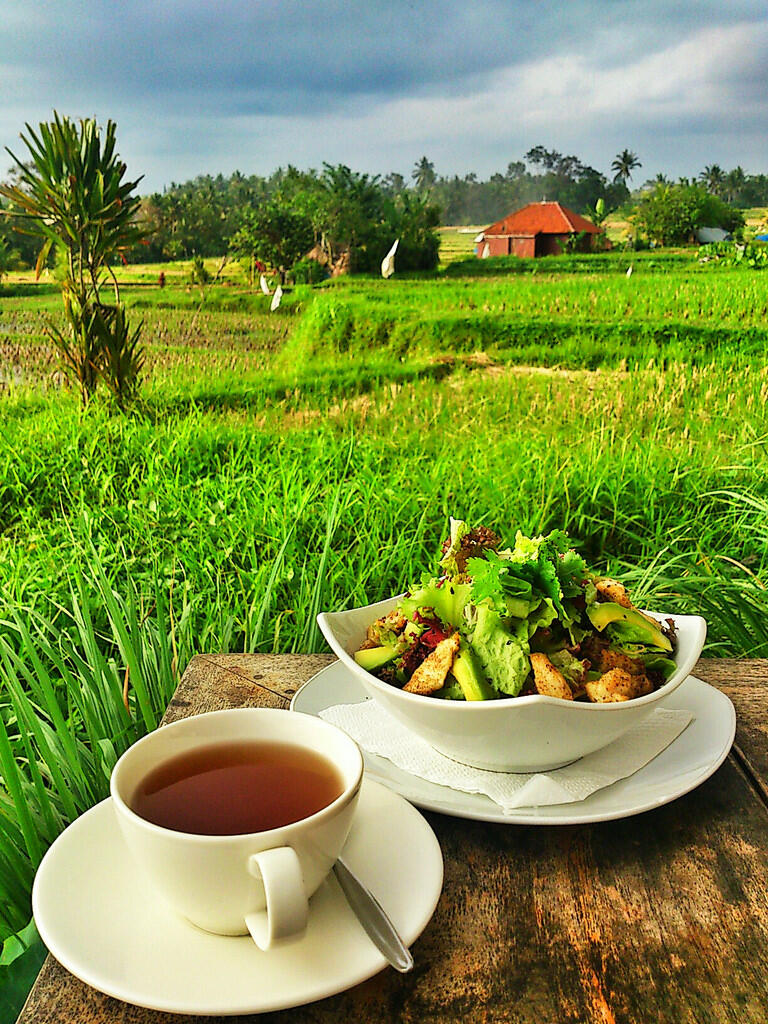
624,164
735,181
423,174
713,178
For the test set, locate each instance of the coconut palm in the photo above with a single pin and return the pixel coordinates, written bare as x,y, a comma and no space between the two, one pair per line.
713,178
423,174
735,181
660,179
623,165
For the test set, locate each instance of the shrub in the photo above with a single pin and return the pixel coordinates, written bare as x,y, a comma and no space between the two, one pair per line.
198,274
308,271
671,214
72,195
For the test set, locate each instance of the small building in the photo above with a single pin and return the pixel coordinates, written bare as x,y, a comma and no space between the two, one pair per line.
539,229
705,236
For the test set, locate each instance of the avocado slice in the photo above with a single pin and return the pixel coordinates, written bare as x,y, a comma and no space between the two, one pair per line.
629,624
374,657
470,676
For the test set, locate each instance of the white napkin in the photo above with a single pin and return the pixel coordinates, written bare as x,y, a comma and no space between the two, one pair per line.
379,733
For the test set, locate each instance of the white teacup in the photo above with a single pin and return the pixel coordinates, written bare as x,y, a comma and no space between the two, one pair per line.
235,884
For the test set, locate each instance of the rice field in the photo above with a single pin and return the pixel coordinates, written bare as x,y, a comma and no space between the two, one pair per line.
280,464
456,243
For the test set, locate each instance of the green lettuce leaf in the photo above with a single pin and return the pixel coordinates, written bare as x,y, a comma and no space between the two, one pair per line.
503,656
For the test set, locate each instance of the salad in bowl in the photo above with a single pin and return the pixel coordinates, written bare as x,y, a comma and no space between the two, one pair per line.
505,622
515,657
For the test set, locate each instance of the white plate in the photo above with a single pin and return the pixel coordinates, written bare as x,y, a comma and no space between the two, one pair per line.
692,758
100,920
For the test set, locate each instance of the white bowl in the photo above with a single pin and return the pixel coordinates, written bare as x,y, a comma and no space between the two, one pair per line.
513,734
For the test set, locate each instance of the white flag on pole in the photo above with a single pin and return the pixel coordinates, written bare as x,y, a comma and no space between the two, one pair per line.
388,263
264,285
276,299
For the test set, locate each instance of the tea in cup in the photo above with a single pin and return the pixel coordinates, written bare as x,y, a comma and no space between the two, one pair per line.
238,816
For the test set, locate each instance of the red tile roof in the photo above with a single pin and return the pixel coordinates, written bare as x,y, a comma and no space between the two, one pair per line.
542,219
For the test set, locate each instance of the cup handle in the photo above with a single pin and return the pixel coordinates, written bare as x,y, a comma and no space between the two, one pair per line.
287,907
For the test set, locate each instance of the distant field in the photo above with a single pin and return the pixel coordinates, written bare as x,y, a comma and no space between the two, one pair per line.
456,243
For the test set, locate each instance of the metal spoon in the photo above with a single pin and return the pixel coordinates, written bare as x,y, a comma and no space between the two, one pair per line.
373,918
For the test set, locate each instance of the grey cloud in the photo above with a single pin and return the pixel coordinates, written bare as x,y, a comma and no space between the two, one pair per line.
289,56
199,86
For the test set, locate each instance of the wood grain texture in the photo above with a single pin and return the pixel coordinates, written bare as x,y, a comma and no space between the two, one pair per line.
658,918
746,684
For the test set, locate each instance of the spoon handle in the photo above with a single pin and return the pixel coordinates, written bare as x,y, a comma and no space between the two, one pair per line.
373,918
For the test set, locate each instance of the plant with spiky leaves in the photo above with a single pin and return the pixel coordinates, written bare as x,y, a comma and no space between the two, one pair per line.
72,194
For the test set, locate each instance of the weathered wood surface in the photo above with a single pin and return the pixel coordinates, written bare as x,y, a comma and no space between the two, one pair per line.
658,918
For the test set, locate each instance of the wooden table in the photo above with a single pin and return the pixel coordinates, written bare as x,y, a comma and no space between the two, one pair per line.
658,918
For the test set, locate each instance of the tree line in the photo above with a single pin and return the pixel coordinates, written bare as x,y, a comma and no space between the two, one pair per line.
345,217
203,216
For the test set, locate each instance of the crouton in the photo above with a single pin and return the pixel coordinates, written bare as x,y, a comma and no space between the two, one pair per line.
612,590
643,685
608,659
549,681
616,685
430,675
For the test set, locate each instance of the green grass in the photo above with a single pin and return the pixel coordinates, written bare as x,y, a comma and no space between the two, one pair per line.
279,464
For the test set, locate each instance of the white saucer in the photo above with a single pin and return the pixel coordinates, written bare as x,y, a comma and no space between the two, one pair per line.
99,919
685,764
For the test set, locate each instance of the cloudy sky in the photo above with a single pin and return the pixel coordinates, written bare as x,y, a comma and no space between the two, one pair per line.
208,86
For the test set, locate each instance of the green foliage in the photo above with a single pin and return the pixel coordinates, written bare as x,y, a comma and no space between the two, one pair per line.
21,957
120,356
70,706
598,212
308,271
351,208
735,254
8,258
78,348
671,214
198,272
273,234
354,218
72,193
73,196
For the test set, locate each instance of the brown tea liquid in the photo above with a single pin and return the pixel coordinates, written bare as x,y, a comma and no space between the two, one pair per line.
231,789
